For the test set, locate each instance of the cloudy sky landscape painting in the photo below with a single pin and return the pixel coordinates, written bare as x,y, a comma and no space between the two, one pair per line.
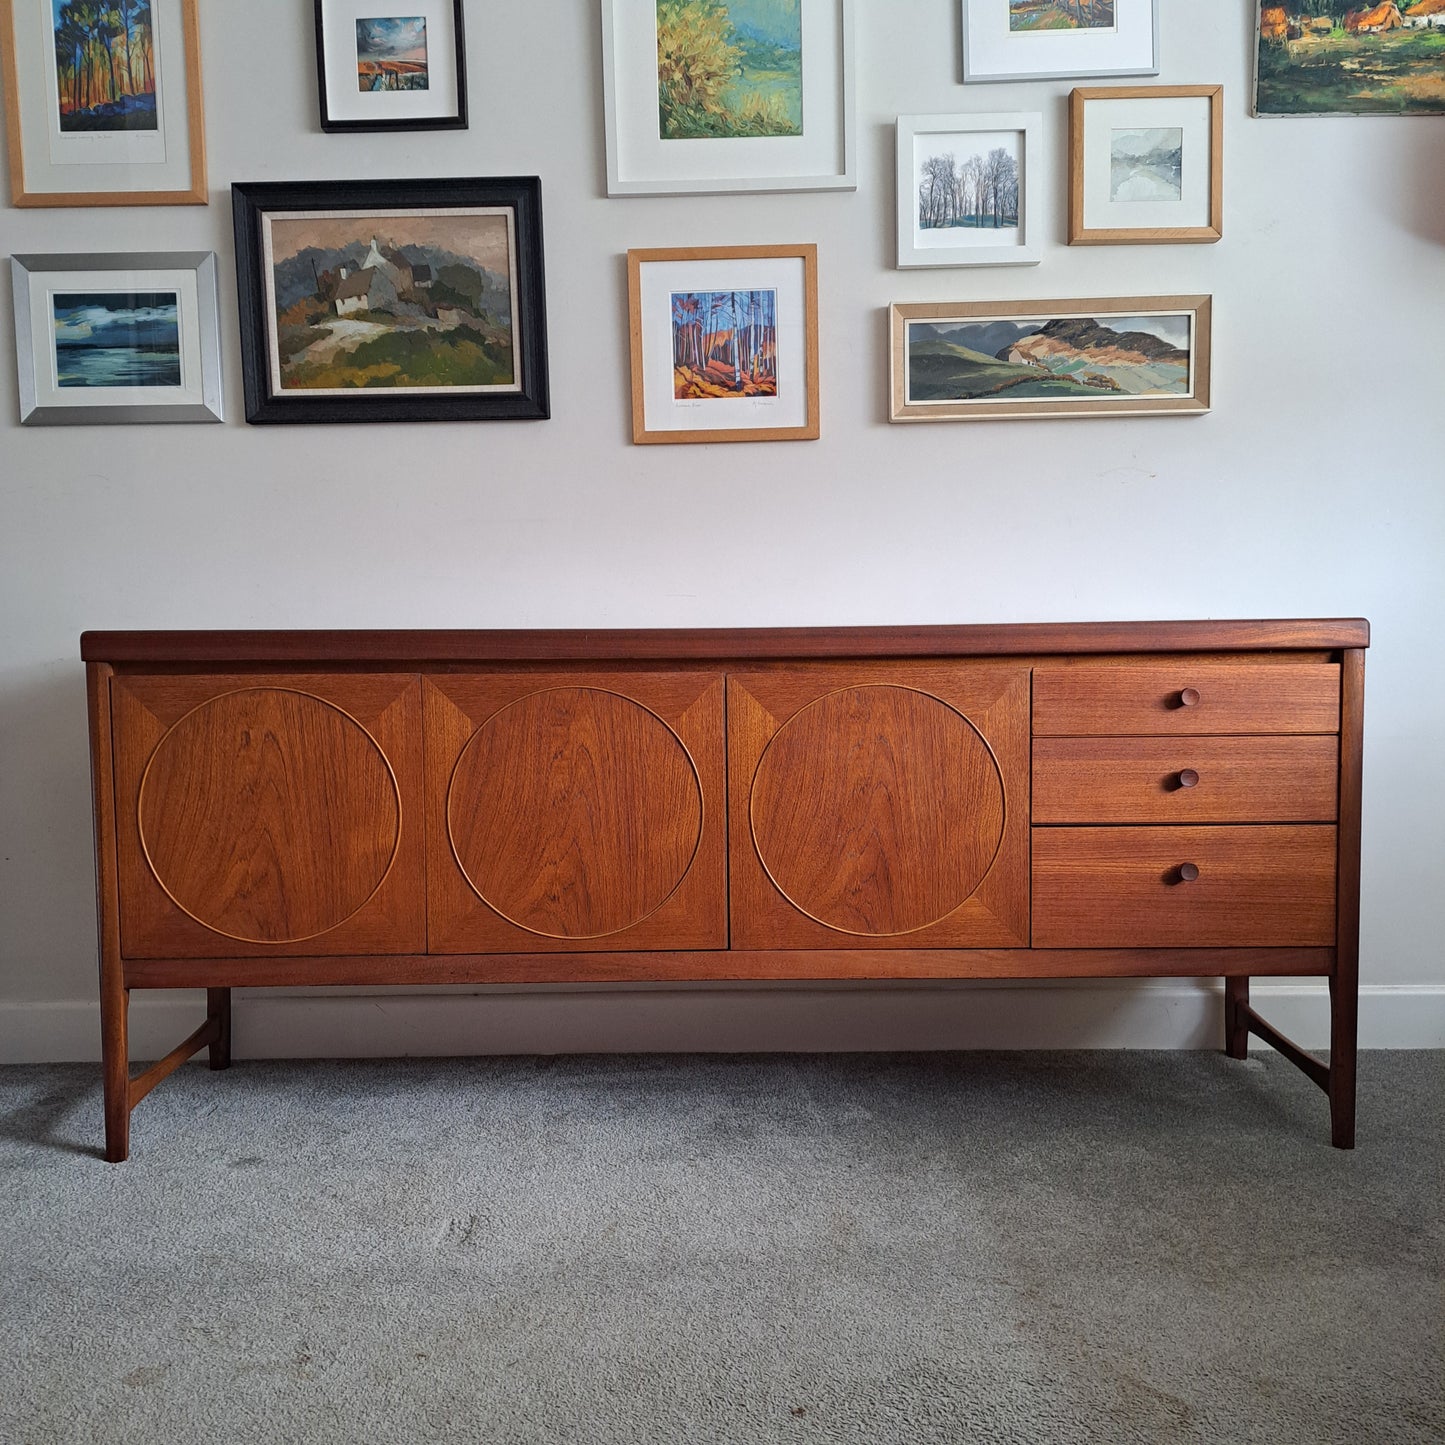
117,339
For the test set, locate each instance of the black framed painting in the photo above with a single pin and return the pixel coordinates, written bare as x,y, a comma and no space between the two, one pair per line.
403,68
392,300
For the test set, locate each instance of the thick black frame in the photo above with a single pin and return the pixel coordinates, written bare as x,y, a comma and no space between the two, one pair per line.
250,201
439,122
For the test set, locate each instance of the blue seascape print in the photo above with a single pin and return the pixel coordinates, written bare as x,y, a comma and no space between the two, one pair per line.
117,338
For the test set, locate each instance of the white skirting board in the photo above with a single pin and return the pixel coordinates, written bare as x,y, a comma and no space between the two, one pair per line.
1112,1014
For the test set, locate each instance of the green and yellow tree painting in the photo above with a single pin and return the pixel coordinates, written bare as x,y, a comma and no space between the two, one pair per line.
729,68
105,64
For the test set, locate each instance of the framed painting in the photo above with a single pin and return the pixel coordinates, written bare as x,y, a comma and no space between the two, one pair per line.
1146,164
117,338
978,360
392,300
724,344
103,103
970,190
1057,39
398,69
728,95
1327,57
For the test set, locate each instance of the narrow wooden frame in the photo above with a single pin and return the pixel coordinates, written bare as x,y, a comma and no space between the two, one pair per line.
638,163
458,68
1028,249
1079,103
900,316
520,196
22,188
642,433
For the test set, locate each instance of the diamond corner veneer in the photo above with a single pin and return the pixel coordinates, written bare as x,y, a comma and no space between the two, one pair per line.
1079,800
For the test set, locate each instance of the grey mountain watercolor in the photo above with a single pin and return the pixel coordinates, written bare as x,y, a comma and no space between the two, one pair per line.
1146,163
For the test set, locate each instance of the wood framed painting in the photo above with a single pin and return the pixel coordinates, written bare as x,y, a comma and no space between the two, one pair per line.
129,337
728,95
1328,57
1146,164
103,103
392,300
724,344
980,360
402,68
970,190
1057,39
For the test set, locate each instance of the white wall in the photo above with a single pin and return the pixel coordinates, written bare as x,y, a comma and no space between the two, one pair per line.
1315,488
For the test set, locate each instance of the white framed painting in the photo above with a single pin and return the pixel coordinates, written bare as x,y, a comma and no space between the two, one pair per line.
1056,39
117,337
970,189
709,96
103,103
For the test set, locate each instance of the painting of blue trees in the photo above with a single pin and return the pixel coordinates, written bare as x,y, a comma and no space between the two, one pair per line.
724,344
105,65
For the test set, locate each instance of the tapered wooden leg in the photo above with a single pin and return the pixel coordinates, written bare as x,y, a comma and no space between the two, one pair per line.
115,1055
1236,1025
1344,1032
218,1011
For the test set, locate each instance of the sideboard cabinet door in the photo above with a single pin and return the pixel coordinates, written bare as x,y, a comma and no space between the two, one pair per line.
263,815
880,806
575,812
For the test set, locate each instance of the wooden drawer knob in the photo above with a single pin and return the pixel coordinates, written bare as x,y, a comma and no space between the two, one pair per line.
1185,873
1189,697
1186,778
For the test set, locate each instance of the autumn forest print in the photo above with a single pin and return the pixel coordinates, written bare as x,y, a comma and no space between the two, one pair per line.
105,65
724,344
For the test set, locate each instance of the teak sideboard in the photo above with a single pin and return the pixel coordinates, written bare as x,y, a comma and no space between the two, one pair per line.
1017,801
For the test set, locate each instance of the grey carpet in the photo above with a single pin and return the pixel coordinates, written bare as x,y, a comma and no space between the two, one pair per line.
960,1249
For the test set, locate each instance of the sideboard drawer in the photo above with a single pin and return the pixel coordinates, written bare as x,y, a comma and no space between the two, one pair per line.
1187,697
1188,780
1200,887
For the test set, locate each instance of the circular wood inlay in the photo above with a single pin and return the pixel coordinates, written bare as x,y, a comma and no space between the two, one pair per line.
269,815
575,812
877,810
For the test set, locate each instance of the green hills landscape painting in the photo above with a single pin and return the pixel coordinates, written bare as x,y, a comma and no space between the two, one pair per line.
729,69
1059,358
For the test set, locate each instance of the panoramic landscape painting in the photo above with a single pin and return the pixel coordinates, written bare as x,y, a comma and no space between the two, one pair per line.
418,301
1320,57
1049,358
105,65
117,338
1060,14
391,53
967,182
729,68
1146,163
724,344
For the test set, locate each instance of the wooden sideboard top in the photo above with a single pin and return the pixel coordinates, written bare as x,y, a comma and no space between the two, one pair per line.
741,643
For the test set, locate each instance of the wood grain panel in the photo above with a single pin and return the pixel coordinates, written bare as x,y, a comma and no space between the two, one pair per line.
268,812
1229,697
877,810
268,815
574,812
732,965
606,645
570,808
1269,886
1142,780
874,804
